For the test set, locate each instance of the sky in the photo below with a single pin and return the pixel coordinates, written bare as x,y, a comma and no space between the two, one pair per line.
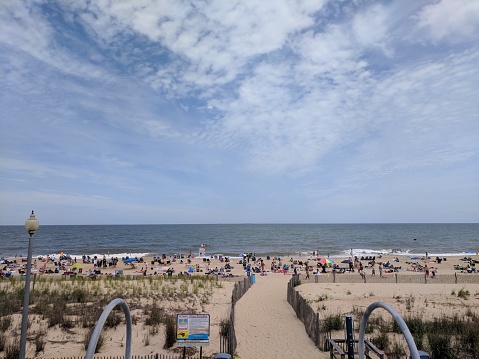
285,111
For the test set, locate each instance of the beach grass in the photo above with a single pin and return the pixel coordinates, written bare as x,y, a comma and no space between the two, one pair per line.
74,305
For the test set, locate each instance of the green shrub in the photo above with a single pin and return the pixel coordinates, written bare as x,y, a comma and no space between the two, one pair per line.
2,341
224,327
12,350
170,332
5,323
397,351
464,294
155,315
79,295
113,320
440,346
99,344
469,340
381,340
418,328
39,343
10,303
333,322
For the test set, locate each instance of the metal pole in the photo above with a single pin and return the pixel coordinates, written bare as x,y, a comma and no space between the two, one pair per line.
399,320
99,326
26,300
349,336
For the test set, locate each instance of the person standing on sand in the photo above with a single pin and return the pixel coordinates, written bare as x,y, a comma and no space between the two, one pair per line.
381,269
307,272
361,271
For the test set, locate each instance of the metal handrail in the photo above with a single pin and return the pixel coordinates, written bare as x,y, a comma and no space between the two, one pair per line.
99,326
399,320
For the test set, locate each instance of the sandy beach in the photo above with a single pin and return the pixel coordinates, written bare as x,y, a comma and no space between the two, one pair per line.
265,322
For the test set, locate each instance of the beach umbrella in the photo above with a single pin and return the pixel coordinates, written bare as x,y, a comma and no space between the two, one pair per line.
347,261
327,261
129,260
77,265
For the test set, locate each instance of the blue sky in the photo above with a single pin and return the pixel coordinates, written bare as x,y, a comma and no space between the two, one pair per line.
132,112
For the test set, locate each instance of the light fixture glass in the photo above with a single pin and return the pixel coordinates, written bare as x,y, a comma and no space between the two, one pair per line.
32,224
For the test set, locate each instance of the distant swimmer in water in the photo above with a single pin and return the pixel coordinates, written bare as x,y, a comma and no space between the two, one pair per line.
414,238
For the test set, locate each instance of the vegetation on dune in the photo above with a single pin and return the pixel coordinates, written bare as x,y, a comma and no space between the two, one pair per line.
442,337
75,304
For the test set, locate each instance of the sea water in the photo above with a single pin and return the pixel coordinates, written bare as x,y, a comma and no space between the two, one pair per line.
234,239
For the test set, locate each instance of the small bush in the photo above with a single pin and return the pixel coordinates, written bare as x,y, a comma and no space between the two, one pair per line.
10,304
469,340
155,315
99,344
146,339
397,351
39,343
464,294
113,320
79,295
2,341
440,346
381,340
12,350
333,322
224,327
170,332
418,328
5,323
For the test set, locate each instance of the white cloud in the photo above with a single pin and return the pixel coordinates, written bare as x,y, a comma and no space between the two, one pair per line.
179,101
450,20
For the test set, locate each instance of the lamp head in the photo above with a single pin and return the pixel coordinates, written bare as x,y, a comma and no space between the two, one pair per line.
32,224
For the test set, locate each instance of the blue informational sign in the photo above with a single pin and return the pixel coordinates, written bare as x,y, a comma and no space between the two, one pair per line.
192,329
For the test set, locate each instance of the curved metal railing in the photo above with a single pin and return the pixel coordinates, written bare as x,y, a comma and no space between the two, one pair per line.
99,326
397,317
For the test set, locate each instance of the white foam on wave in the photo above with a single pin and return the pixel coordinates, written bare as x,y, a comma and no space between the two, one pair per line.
99,256
358,252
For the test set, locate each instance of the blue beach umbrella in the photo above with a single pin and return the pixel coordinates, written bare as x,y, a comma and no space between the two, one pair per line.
347,261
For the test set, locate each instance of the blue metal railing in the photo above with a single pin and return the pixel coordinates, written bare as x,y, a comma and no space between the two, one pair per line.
99,326
397,317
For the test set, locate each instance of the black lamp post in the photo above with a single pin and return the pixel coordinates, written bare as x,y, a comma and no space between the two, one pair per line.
31,225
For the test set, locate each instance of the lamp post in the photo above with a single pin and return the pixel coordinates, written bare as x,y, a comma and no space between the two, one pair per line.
31,225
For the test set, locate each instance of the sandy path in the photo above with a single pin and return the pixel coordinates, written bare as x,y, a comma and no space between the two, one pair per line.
266,325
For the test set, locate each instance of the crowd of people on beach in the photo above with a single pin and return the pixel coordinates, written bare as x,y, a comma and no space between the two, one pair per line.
249,262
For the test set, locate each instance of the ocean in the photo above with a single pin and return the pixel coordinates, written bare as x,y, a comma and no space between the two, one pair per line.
232,240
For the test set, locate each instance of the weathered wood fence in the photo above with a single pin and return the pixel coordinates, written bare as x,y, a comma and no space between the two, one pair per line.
311,319
308,316
228,341
401,277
